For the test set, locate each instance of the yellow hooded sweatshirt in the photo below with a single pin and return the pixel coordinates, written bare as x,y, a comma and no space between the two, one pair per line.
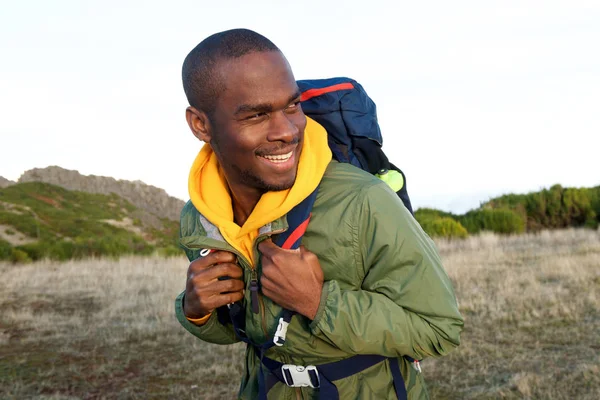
210,195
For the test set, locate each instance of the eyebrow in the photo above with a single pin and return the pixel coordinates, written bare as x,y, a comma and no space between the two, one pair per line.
263,107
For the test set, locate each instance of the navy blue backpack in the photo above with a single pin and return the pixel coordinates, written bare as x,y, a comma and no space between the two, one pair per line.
349,116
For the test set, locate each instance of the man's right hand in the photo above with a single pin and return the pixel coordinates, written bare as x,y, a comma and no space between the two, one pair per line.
204,291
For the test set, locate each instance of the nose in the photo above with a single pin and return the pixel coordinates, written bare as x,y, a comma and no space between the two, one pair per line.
283,127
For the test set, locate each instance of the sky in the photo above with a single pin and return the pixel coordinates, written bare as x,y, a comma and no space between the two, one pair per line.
474,99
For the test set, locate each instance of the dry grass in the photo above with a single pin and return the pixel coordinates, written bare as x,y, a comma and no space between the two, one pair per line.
105,329
532,317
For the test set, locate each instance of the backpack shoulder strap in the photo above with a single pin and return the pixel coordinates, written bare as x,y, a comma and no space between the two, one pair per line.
297,220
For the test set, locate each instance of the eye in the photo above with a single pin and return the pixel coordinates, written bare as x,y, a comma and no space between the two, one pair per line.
256,116
294,106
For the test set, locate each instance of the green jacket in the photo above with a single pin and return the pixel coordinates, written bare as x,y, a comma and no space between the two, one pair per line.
385,290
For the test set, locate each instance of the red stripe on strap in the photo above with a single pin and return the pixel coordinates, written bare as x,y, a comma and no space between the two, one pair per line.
297,234
310,93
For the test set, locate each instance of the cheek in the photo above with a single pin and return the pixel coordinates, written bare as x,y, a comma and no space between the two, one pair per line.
300,122
238,142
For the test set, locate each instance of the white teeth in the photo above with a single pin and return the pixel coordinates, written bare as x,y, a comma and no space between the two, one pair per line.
279,158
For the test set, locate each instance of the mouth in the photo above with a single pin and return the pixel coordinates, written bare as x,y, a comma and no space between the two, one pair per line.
278,162
278,158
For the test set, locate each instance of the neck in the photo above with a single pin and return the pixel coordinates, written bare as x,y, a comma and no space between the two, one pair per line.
243,202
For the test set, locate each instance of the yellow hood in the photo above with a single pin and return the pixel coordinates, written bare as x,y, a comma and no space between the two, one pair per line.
209,193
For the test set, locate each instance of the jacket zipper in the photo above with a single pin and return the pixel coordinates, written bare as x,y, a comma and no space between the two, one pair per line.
259,296
254,291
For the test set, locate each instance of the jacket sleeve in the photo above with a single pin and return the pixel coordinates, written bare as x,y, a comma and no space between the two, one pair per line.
212,330
406,304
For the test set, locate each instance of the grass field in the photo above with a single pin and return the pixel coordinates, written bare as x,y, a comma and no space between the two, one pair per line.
105,329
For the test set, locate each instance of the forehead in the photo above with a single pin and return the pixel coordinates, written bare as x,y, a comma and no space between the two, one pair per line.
256,78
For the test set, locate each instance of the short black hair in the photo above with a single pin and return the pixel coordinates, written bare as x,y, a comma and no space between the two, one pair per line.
202,82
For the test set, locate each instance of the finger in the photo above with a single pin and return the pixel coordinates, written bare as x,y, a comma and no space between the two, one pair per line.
231,285
270,271
205,296
214,257
268,248
266,284
215,272
195,269
205,277
205,293
223,299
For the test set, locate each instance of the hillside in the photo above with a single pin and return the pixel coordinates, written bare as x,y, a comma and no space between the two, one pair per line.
41,220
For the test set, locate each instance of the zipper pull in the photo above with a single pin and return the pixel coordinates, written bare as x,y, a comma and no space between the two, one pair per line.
417,366
254,293
205,252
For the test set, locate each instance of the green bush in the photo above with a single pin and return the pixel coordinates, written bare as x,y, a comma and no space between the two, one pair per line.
19,256
170,251
445,227
62,250
425,213
499,221
577,205
35,251
594,194
5,250
553,208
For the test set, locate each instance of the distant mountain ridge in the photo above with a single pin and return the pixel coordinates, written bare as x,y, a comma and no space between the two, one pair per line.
146,197
5,182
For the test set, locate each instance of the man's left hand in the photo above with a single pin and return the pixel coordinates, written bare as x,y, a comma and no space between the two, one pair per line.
291,278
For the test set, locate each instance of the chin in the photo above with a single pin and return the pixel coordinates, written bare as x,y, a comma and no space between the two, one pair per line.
279,186
275,184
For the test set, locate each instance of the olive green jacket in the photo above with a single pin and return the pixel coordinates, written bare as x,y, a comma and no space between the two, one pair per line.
385,290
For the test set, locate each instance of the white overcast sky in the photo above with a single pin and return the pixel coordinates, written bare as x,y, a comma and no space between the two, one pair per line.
475,98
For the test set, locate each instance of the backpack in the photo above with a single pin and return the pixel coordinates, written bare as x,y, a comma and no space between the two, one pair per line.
349,116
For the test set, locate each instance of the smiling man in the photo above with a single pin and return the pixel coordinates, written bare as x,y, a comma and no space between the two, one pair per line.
368,287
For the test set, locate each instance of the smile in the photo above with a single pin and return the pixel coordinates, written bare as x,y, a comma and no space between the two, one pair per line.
279,158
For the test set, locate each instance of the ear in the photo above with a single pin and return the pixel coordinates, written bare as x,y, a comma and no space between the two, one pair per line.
199,123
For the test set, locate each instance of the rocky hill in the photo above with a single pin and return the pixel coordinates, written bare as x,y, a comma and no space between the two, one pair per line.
41,220
61,214
5,182
146,197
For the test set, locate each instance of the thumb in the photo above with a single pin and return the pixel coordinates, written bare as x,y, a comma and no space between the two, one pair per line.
267,247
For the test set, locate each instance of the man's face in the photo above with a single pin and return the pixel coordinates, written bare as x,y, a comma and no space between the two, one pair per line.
257,128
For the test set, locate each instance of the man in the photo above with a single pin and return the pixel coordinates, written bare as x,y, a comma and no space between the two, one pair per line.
367,281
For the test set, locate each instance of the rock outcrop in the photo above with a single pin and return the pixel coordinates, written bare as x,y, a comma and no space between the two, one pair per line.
5,182
141,195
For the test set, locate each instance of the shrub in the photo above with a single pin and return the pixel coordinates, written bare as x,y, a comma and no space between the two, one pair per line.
552,208
35,251
499,221
445,227
62,250
19,256
424,213
5,250
170,251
